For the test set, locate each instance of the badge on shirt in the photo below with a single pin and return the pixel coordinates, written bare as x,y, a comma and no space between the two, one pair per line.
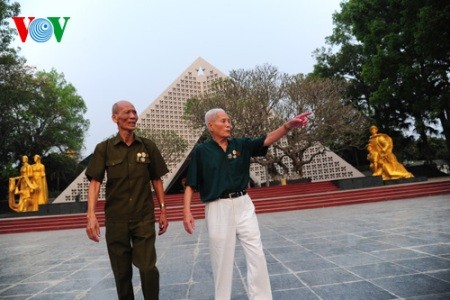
142,157
233,154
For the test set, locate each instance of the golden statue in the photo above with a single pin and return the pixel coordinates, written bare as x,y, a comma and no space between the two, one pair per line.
383,161
41,194
31,186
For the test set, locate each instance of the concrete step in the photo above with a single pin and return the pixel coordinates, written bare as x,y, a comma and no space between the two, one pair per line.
266,200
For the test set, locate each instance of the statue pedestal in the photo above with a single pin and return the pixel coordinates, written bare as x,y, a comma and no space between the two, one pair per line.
372,181
405,180
48,209
358,182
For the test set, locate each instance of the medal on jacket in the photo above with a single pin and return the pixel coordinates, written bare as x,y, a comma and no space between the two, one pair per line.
233,155
140,156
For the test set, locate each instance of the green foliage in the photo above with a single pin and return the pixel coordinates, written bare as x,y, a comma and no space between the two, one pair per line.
45,115
41,112
7,10
396,56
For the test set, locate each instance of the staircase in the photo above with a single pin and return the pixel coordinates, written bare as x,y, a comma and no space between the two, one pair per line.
266,200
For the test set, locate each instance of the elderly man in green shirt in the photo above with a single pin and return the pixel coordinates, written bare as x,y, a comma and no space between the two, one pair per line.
131,163
219,169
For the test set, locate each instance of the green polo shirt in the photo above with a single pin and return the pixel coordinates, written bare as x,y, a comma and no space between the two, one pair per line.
129,170
214,172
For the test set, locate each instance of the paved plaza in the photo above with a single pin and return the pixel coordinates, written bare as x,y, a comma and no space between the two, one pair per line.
384,250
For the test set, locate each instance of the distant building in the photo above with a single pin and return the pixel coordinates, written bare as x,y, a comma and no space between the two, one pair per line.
165,113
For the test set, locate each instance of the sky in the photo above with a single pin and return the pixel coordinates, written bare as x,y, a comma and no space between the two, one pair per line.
133,50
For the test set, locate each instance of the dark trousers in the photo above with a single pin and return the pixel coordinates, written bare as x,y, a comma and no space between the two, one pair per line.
133,243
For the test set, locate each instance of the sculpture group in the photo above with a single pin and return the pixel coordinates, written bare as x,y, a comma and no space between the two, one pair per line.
30,187
383,161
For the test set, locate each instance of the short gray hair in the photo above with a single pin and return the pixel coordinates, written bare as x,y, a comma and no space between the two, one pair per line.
211,114
114,108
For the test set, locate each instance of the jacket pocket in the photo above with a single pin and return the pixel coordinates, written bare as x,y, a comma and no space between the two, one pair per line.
115,168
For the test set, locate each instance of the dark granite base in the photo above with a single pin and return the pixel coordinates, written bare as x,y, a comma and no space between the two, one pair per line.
372,181
49,209
406,180
359,182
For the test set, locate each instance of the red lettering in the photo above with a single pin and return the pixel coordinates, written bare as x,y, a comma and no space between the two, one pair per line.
21,28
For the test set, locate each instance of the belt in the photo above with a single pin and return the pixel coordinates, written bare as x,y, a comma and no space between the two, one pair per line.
233,195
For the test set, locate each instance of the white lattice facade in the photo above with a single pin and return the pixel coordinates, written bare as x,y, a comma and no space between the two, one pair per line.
165,113
328,166
323,167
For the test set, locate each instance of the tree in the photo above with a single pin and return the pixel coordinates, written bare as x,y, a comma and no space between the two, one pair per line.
334,125
170,144
42,112
248,96
46,116
8,70
261,99
7,33
396,56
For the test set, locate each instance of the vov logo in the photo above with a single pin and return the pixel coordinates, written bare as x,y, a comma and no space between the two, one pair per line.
41,29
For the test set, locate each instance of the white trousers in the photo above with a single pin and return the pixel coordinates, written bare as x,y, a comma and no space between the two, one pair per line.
226,220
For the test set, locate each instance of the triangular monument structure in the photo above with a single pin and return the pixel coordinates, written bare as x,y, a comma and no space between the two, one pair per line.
165,113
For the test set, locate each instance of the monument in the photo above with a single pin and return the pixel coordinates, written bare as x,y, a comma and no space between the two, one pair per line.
383,161
166,113
30,186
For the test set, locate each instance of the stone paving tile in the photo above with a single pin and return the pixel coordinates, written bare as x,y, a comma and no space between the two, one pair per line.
384,250
353,290
380,270
397,254
327,276
434,249
294,294
443,275
426,264
413,285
